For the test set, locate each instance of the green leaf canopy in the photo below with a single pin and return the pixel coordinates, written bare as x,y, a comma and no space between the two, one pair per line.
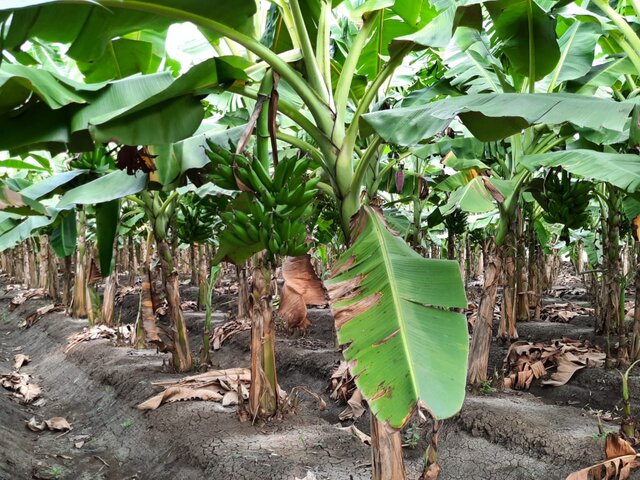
619,169
390,308
90,27
494,116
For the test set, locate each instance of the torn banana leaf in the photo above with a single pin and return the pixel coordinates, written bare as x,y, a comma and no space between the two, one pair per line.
390,307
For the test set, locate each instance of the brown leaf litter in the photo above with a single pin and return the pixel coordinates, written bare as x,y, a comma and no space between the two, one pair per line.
215,385
21,386
41,312
59,424
124,332
526,361
563,312
26,295
223,332
621,459
343,388
19,360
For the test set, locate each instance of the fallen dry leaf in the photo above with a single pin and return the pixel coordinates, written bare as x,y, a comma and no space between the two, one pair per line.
40,312
21,386
123,332
26,295
526,361
19,360
360,435
35,426
223,332
355,407
621,459
215,385
58,423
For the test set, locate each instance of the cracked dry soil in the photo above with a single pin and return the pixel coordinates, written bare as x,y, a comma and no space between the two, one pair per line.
501,436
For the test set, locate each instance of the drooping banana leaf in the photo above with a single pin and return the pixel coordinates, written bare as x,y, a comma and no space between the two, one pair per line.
619,169
64,235
107,218
494,116
24,230
390,307
104,189
91,26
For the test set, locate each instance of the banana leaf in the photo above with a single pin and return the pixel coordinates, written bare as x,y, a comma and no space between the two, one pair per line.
619,169
390,307
494,116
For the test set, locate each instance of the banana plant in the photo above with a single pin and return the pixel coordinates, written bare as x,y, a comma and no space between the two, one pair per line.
325,105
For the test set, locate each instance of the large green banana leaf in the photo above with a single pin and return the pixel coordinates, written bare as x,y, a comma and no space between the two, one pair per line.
109,187
107,219
526,33
64,235
390,307
494,116
136,110
619,169
90,27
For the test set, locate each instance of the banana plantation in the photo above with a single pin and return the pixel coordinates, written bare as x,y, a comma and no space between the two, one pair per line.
320,239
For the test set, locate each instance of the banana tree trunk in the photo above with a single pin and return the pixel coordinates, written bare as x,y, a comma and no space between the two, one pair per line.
66,282
43,278
133,261
182,360
635,342
202,277
109,297
243,292
522,296
451,246
507,328
612,286
387,462
193,264
482,331
263,391
52,274
81,306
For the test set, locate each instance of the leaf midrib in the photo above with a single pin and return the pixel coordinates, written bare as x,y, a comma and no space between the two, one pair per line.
395,298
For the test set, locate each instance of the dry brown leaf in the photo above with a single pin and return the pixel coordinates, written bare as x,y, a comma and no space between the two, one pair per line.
35,426
564,372
123,332
360,435
58,423
40,312
29,392
612,467
209,386
302,287
355,407
223,332
19,360
20,385
177,394
617,447
26,295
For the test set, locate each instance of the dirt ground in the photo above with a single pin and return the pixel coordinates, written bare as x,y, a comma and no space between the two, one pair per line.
542,434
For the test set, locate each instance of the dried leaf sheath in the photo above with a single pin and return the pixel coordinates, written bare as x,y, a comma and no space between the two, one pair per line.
389,306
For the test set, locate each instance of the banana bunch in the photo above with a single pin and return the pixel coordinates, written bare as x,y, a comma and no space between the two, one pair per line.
97,160
564,201
274,218
159,214
456,222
